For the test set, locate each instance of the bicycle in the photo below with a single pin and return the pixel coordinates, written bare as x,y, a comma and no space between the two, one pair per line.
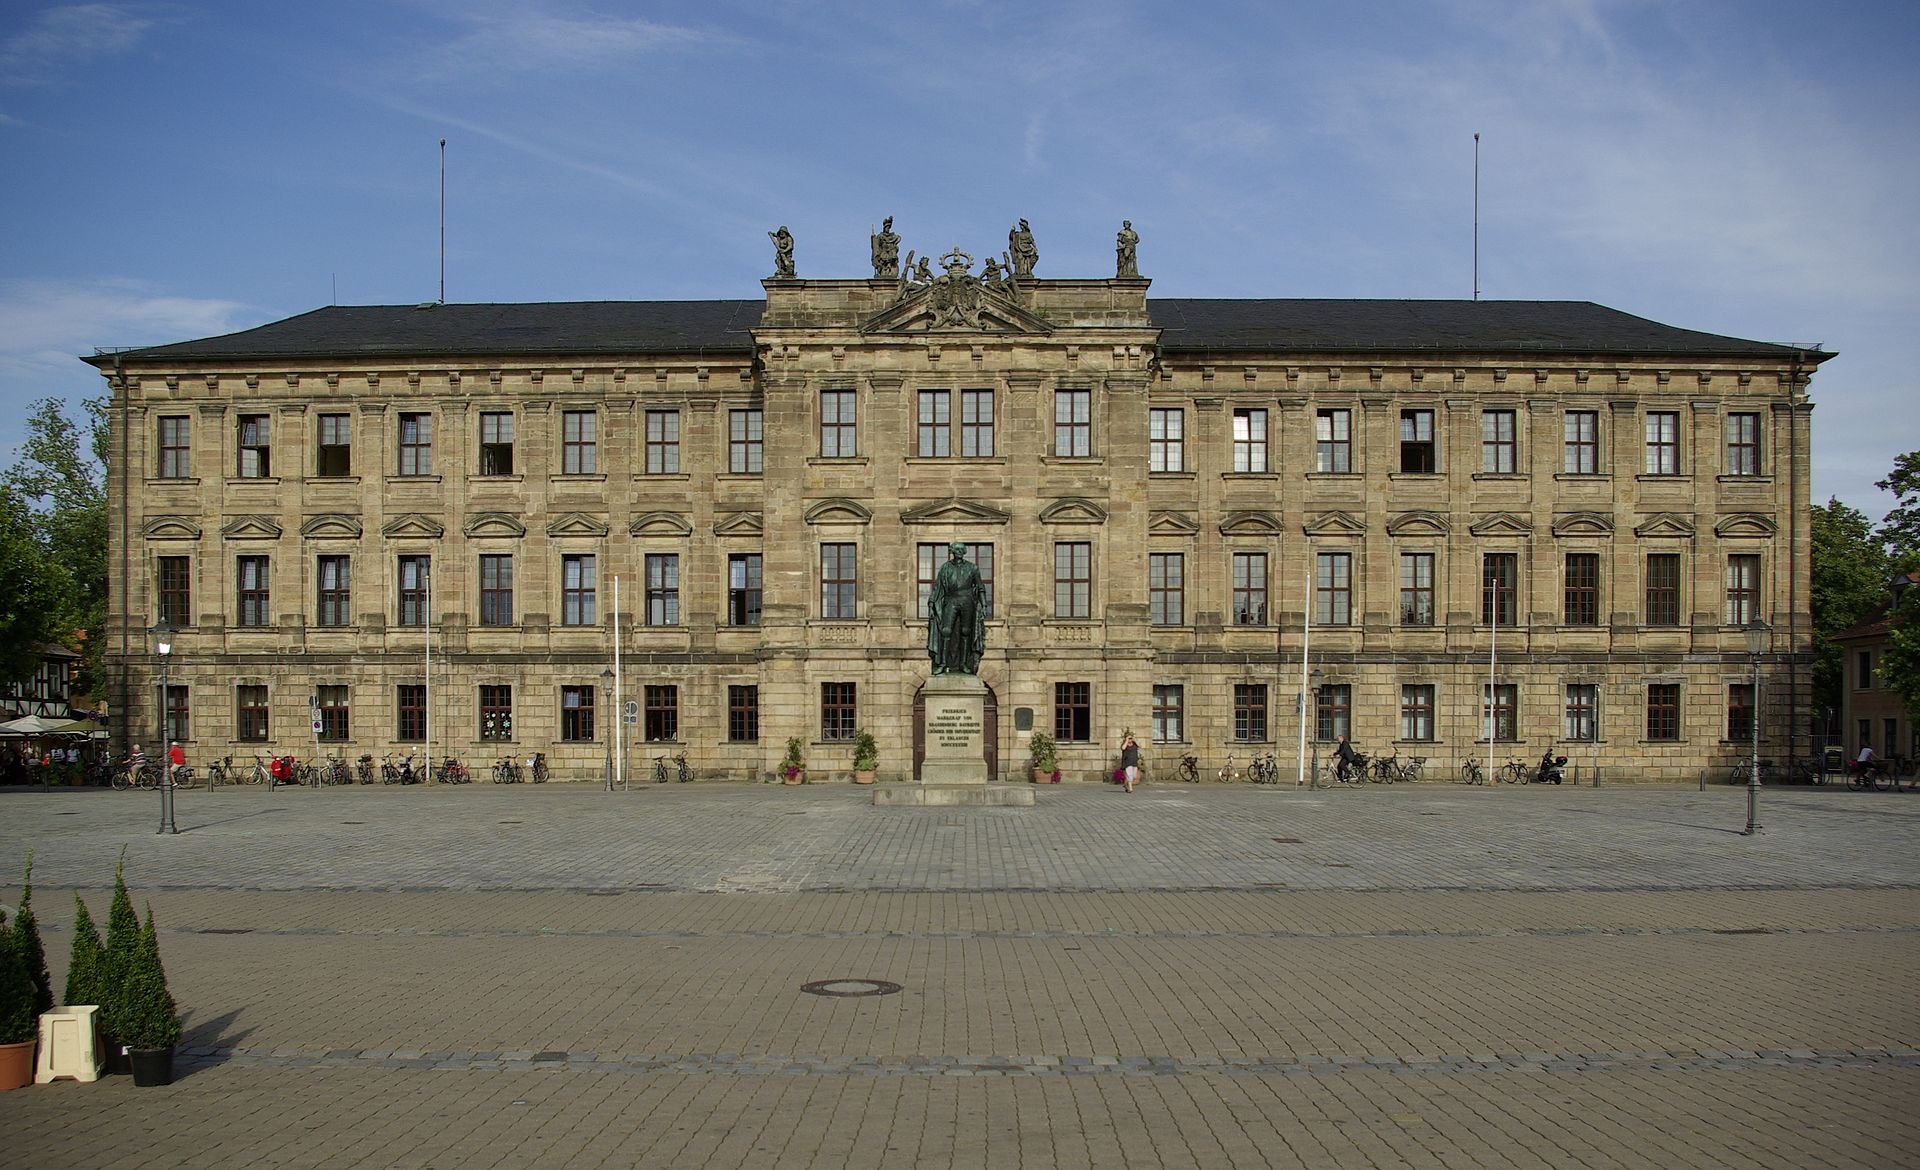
506,770
1471,773
218,772
401,773
336,771
538,766
1410,771
452,771
1515,771
363,769
1264,770
1227,773
1189,769
1386,769
258,774
681,772
137,774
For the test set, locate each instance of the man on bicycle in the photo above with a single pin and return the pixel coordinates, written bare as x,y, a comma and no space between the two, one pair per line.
176,762
1349,759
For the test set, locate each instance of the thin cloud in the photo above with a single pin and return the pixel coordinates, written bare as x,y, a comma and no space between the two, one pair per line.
45,325
59,38
535,42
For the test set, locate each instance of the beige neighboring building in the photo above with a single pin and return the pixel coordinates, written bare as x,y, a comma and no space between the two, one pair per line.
1870,711
1161,492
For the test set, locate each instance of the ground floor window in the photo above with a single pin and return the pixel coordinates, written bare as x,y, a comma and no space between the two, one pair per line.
743,714
1169,714
334,714
1416,712
1740,712
250,714
1250,712
576,714
1504,710
1333,712
838,714
410,722
1583,712
1663,711
663,714
176,714
496,713
1073,712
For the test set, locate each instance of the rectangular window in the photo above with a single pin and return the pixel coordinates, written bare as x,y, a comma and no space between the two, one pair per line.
932,556
1743,444
1249,440
175,591
1250,712
576,714
976,424
1169,713
336,591
837,432
176,449
410,713
1583,712
1663,442
1249,589
1583,589
663,442
663,589
1333,589
416,444
496,443
1333,440
256,447
1166,588
1743,588
1073,423
334,456
743,714
1663,589
496,713
1333,712
176,715
743,589
1740,712
936,424
579,442
662,714
335,714
1416,712
253,590
1866,733
250,714
1073,579
1166,440
839,582
839,719
1864,664
1416,441
496,589
1506,711
1499,577
1580,442
746,442
1073,712
1663,712
1499,449
579,591
413,591
1416,588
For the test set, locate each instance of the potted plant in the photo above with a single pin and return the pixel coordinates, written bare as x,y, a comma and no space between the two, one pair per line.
149,1021
1046,758
26,938
866,757
83,960
19,1023
793,769
116,957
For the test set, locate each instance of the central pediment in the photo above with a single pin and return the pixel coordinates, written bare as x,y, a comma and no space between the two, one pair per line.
955,301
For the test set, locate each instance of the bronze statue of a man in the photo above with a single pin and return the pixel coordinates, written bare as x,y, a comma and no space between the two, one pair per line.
957,615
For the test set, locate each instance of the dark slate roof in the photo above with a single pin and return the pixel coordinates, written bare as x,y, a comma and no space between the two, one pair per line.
1188,325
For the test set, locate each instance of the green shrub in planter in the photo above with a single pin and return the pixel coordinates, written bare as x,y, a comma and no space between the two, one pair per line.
83,961
28,949
116,957
19,1023
793,764
866,752
1046,754
148,1019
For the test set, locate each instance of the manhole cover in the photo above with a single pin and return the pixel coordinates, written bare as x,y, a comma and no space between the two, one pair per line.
1287,841
849,988
509,822
227,930
1746,930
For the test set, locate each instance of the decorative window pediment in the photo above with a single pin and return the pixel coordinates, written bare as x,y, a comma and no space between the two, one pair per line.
1583,524
494,524
838,511
661,524
413,524
1501,524
578,524
1419,524
1745,524
740,524
1073,510
170,528
1172,524
331,524
250,528
1335,523
954,510
1251,522
1665,524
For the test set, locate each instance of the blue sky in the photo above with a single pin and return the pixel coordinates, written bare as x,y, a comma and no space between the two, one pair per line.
180,169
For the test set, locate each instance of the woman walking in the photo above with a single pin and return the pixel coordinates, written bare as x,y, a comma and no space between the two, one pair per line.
1130,761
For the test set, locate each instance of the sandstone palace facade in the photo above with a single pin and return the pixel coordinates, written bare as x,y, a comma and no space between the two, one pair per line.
1162,493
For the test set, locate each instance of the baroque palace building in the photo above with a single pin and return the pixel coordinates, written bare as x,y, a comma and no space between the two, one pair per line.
1163,494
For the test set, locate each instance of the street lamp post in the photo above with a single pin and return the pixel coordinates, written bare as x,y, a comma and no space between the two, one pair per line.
1313,777
606,685
163,646
1758,632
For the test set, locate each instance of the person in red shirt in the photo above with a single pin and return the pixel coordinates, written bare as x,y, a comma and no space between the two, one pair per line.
176,760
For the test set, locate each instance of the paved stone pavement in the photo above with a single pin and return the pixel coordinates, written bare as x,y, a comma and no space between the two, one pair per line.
1426,976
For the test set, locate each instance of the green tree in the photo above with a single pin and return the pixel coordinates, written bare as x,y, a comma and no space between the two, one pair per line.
1900,669
35,589
1849,572
60,476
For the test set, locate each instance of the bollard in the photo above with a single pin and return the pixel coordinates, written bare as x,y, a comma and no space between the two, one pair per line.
1596,775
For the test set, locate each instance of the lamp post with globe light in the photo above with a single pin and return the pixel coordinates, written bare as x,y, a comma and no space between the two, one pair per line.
163,647
1758,636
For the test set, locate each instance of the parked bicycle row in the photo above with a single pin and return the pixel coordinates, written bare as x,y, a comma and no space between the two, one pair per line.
136,771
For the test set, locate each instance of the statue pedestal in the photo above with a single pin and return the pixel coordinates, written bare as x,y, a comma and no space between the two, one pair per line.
954,769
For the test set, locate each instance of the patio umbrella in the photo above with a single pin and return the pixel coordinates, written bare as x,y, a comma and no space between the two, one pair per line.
91,728
30,725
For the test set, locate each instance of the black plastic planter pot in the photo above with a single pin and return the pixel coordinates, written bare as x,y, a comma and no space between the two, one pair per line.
152,1066
114,1060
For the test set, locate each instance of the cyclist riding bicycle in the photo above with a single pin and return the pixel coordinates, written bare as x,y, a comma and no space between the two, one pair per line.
1348,759
176,761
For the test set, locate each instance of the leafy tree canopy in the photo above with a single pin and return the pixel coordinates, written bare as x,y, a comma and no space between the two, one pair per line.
56,489
1900,669
1849,582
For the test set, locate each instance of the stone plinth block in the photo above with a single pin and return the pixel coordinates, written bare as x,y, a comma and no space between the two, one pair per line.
956,730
